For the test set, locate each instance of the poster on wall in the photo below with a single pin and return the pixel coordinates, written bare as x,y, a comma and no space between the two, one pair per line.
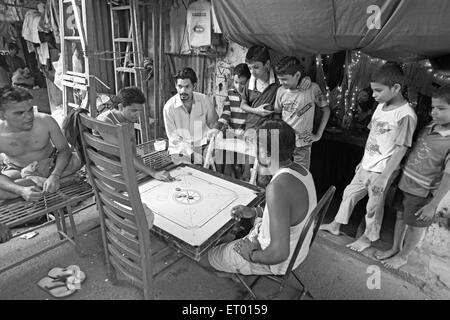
199,23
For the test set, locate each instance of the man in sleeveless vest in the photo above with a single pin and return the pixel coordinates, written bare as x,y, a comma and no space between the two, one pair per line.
290,199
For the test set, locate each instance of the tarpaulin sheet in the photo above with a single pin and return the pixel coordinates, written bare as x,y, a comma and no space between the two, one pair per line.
408,30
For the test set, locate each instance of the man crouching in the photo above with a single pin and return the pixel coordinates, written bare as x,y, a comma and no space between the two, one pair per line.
36,152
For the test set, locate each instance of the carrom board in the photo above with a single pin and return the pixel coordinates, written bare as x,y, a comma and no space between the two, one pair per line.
195,206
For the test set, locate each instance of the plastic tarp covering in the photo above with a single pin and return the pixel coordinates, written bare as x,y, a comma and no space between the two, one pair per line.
398,30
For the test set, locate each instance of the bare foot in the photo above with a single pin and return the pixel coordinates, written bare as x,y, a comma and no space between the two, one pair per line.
395,262
332,228
360,245
383,255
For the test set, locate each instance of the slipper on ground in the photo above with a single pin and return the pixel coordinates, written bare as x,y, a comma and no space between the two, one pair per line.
62,274
55,288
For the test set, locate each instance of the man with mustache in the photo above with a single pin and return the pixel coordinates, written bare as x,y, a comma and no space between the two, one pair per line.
188,117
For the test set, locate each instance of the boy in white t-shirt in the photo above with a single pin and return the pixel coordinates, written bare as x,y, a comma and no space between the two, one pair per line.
297,106
391,132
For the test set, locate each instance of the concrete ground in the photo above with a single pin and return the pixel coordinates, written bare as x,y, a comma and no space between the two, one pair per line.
331,271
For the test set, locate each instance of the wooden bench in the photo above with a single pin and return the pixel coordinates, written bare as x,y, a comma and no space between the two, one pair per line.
17,212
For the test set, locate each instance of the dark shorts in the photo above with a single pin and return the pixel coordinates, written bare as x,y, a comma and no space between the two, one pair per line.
409,204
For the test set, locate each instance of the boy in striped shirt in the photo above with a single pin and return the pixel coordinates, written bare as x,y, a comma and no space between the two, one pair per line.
233,118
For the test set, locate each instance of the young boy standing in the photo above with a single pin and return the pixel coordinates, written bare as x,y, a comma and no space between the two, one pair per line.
233,116
424,183
391,131
297,107
258,98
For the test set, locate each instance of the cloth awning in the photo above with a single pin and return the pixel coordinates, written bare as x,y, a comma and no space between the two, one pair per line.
408,30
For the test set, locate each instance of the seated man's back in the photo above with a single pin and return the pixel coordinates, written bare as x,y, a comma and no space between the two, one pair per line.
291,197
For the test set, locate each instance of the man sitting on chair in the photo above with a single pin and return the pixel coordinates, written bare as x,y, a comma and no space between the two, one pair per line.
290,199
188,118
128,107
36,152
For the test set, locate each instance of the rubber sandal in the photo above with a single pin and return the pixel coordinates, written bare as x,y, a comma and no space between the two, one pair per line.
55,288
62,274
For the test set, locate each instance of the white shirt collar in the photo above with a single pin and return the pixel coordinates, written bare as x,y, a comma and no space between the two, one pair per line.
252,81
179,103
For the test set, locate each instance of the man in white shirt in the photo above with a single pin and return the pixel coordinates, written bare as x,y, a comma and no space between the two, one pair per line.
188,117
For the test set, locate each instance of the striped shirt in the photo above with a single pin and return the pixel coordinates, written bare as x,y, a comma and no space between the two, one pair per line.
428,161
232,116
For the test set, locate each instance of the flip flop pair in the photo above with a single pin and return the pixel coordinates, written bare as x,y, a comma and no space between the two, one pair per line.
62,282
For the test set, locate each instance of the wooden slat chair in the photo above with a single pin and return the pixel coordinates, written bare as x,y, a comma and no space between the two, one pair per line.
125,230
239,146
314,221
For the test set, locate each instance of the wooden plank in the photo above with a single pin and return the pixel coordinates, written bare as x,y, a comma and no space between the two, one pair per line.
109,179
124,237
122,212
74,85
98,126
109,193
118,8
107,164
73,105
75,79
80,26
122,248
139,62
156,60
72,38
125,69
161,57
128,264
115,50
119,222
64,54
127,52
77,74
102,145
123,40
114,261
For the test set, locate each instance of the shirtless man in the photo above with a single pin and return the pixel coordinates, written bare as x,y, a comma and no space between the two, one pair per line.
28,139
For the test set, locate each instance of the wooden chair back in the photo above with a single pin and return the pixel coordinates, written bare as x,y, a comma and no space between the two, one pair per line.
314,221
124,226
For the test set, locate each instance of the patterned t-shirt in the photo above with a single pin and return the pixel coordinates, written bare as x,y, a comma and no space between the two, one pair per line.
387,130
297,109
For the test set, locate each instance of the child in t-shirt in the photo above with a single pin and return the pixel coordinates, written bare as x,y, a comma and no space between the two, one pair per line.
424,183
391,132
297,107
